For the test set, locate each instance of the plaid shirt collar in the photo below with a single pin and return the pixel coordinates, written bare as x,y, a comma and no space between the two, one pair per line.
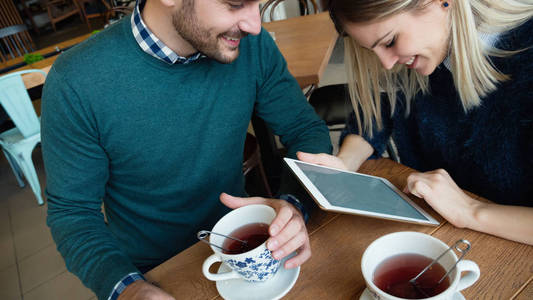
150,44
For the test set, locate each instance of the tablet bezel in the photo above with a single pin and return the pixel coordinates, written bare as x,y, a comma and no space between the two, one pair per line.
324,204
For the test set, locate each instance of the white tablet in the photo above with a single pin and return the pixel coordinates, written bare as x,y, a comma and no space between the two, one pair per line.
356,193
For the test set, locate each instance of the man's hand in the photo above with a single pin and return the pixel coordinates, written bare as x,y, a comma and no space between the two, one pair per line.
287,230
142,290
442,193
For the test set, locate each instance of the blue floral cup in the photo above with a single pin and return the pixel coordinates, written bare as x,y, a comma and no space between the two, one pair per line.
255,265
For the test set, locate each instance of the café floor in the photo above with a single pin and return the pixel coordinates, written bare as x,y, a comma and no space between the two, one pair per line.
30,266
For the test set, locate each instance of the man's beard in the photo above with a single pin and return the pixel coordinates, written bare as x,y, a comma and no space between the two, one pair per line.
188,27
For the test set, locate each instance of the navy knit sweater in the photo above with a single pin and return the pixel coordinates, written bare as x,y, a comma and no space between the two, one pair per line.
487,150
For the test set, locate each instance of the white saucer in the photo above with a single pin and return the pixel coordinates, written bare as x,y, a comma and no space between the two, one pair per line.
367,296
274,288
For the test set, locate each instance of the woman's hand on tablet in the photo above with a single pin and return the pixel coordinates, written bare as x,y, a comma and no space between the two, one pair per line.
442,193
322,159
355,150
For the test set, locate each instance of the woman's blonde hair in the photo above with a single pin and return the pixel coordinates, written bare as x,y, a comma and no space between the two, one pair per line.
473,73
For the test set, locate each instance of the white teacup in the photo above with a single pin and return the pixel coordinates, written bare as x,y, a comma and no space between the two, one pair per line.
255,265
418,243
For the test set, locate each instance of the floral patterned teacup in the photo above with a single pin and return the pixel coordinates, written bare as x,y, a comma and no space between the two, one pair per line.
255,265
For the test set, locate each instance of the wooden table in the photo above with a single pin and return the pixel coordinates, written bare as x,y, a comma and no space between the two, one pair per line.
35,79
338,242
46,50
306,43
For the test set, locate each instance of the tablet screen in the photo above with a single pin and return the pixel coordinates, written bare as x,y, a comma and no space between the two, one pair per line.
360,192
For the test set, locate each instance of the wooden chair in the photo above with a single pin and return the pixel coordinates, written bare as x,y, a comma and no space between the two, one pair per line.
94,9
252,159
332,104
271,5
58,10
117,13
15,41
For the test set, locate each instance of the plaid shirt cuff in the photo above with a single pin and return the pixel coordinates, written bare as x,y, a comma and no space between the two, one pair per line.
122,284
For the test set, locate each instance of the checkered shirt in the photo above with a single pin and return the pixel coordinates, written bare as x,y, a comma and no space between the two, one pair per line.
122,284
152,45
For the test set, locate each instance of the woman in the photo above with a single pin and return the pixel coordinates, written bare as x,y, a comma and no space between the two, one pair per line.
450,82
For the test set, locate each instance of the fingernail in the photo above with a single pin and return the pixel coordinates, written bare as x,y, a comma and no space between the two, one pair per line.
274,229
272,244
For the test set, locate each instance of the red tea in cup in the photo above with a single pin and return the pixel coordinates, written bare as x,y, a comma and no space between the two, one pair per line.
253,234
393,274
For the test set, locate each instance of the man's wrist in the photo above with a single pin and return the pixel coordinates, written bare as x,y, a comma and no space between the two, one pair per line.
123,283
296,203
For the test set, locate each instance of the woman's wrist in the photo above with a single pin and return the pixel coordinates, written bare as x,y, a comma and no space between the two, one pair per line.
354,151
474,218
351,161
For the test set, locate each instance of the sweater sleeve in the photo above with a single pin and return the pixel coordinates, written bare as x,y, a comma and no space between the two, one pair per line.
379,138
282,105
77,171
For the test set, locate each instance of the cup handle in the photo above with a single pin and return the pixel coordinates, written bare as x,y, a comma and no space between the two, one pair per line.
471,276
215,277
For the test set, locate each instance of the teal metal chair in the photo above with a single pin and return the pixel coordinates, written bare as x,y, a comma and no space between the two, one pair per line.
18,143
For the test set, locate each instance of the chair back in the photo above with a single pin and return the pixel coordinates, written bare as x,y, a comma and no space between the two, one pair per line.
16,41
59,10
94,9
332,103
17,103
116,13
271,5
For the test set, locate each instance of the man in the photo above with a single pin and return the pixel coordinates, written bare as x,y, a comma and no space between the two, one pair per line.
150,117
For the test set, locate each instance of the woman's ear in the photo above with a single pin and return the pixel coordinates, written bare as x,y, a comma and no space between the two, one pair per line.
445,3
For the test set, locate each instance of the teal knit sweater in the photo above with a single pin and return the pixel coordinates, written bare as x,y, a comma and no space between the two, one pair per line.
157,143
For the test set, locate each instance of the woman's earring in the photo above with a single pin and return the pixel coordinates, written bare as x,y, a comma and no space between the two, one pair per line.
445,4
